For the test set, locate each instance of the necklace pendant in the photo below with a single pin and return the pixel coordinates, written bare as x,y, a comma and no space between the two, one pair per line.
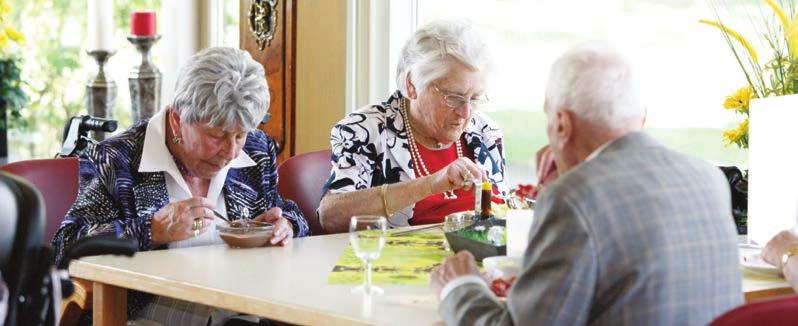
449,195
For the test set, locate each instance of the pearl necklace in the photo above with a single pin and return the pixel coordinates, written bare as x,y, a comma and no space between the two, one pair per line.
415,155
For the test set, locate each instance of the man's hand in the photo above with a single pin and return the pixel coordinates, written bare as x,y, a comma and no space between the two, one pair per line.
452,267
283,232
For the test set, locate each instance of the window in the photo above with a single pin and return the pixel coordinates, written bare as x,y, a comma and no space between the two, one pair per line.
56,68
686,68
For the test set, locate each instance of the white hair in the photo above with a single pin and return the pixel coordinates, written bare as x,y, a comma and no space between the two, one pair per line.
223,86
427,55
596,82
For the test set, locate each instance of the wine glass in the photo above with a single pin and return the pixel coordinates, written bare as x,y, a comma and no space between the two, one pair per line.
367,237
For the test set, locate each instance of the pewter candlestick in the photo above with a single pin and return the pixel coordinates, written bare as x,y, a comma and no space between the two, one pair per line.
145,80
100,91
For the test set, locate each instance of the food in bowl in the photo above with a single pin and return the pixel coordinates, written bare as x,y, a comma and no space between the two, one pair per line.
239,234
502,272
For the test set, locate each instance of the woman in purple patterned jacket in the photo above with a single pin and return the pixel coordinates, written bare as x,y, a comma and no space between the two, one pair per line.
160,181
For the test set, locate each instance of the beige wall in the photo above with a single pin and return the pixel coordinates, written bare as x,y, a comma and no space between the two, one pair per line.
320,71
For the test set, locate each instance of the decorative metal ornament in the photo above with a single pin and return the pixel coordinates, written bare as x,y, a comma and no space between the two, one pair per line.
101,91
263,21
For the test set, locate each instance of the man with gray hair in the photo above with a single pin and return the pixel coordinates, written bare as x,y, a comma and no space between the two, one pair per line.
630,233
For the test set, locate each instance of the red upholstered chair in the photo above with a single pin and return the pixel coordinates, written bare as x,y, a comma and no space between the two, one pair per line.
57,180
301,179
781,311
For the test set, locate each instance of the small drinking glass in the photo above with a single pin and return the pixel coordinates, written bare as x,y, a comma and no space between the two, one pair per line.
367,237
451,223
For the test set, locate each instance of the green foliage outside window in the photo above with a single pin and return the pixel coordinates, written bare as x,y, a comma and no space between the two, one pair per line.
55,70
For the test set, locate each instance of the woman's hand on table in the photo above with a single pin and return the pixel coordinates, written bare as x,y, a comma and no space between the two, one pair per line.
181,220
459,174
283,232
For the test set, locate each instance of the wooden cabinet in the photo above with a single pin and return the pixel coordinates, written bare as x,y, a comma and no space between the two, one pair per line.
274,19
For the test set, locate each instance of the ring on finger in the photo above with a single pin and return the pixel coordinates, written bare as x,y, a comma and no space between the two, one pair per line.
196,225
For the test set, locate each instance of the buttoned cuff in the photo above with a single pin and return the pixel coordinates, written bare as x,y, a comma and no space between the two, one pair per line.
466,279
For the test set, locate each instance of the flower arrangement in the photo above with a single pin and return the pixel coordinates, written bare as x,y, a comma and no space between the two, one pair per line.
774,77
11,94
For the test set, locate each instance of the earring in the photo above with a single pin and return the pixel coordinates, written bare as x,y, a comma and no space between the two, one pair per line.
176,140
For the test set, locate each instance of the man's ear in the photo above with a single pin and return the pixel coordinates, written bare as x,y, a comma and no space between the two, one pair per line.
411,89
563,126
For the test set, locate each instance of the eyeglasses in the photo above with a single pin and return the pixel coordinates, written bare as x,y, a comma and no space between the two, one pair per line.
455,100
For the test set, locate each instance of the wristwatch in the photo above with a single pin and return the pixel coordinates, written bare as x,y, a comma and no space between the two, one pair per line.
791,251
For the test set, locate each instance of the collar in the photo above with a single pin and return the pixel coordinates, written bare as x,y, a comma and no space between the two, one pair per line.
598,150
155,156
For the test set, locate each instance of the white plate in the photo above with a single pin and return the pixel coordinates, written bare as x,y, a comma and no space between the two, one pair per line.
752,261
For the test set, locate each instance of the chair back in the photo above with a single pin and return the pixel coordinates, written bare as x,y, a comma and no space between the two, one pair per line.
21,241
302,178
57,181
780,311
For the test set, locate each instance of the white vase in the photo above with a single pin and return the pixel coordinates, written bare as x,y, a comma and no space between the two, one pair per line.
772,166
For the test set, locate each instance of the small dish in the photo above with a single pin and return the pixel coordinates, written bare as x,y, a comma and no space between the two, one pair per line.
502,272
240,235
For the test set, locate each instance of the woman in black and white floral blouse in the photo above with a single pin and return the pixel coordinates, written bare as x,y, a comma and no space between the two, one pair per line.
415,156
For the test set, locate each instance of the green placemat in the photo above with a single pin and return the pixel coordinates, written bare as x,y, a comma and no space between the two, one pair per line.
405,260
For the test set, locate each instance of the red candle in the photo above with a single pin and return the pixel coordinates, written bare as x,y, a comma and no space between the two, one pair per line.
142,23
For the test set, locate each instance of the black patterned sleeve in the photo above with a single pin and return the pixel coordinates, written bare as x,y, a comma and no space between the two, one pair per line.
96,212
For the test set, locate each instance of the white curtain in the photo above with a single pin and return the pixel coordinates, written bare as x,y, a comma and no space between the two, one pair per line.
188,26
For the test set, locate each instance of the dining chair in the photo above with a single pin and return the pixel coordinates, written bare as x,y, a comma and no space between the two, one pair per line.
779,311
302,178
57,181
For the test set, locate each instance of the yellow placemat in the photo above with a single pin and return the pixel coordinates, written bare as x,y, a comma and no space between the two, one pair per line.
405,260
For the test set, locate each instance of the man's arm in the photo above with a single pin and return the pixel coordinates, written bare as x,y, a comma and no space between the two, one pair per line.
557,282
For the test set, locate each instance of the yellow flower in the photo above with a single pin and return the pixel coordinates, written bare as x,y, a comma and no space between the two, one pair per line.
5,7
732,34
740,99
14,35
733,136
743,127
3,40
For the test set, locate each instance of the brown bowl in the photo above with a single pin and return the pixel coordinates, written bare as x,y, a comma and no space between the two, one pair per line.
239,235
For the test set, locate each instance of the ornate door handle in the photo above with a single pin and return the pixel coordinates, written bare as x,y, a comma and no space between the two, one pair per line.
263,21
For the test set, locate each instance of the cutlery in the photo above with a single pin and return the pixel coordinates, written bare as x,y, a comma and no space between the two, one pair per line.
219,215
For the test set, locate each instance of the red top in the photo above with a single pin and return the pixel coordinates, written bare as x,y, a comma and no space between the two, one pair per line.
142,23
433,208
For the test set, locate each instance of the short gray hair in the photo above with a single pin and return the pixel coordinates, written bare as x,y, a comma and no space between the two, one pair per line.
223,86
426,56
596,82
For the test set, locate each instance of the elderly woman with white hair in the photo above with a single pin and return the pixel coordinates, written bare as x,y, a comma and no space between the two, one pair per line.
414,157
162,181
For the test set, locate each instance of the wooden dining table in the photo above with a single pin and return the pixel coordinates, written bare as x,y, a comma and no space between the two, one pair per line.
288,284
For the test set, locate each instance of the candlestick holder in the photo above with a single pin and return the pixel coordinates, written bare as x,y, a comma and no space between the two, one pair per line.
144,79
100,91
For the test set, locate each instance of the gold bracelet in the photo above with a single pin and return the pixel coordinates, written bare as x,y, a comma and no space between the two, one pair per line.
384,193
